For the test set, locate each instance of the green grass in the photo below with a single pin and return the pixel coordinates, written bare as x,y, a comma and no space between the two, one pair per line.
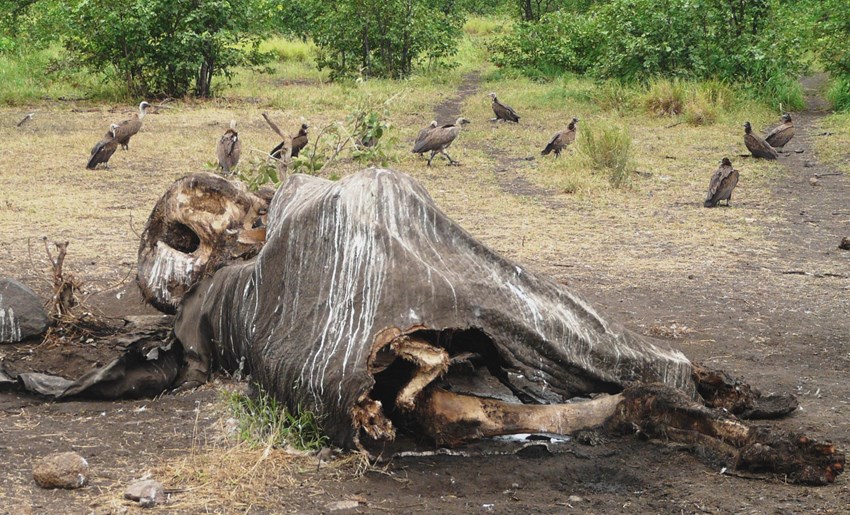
607,149
487,25
285,49
263,421
31,76
839,94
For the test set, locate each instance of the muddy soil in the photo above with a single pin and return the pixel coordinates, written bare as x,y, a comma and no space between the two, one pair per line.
782,323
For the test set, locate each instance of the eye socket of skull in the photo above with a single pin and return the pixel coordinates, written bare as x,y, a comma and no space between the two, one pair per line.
202,222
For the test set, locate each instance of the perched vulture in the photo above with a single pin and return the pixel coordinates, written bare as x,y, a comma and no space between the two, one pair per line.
129,127
502,111
423,133
438,139
757,146
229,148
722,183
781,135
561,139
298,143
104,149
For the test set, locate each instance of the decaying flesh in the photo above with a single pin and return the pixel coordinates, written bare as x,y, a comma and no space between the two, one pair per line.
371,308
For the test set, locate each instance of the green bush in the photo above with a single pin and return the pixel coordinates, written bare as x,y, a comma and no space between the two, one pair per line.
163,47
761,44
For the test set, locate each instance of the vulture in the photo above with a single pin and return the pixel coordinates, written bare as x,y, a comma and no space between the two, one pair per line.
129,127
104,149
424,133
298,143
757,146
502,111
438,139
722,183
781,135
561,139
229,148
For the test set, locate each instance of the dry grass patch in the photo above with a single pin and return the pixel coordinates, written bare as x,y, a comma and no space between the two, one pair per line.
833,148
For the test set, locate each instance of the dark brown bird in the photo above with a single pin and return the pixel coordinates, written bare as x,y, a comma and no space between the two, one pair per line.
503,112
722,183
438,139
561,139
129,127
756,145
103,149
229,148
298,143
782,134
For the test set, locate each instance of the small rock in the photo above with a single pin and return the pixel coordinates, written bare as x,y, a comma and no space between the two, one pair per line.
813,181
808,164
342,505
799,151
22,315
61,470
845,244
148,493
575,498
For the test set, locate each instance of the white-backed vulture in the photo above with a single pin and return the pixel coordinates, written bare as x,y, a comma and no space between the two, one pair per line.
722,183
437,140
129,127
756,145
229,148
103,149
561,139
782,134
503,112
298,143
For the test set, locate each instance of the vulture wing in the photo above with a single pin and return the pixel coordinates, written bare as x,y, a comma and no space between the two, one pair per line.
298,143
553,144
127,129
780,136
102,151
759,147
437,139
722,183
504,112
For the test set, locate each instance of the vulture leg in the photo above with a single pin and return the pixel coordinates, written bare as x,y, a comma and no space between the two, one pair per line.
451,161
433,153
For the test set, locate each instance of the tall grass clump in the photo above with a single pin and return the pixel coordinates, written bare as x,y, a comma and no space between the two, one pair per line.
263,421
289,50
613,95
476,25
606,149
665,97
839,94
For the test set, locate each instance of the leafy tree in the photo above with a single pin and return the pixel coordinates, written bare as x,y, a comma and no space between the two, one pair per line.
164,47
378,38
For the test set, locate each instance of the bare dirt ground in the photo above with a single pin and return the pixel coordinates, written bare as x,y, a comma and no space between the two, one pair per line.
777,316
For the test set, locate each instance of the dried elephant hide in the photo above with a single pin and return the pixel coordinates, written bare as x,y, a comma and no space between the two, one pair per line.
370,307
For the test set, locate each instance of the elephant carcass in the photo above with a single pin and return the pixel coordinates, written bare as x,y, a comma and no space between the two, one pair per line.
368,306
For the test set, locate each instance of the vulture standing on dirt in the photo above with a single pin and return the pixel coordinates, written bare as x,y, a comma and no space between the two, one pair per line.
229,148
561,139
757,146
722,183
298,143
104,149
503,112
129,127
781,135
438,139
